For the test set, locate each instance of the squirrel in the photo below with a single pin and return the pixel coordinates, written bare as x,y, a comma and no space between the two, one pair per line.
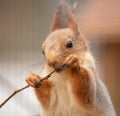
76,90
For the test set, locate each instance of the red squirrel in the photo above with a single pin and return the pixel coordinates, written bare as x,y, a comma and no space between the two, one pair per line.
77,90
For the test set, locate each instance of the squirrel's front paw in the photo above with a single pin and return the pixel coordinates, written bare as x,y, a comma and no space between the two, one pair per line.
33,80
71,61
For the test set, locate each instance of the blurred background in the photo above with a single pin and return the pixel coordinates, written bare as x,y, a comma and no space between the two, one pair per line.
24,24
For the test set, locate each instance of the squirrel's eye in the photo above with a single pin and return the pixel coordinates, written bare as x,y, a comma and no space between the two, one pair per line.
69,44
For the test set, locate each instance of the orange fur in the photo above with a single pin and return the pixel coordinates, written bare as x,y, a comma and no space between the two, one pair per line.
43,93
80,80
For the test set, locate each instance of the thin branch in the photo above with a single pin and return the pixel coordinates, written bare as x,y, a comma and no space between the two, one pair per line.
19,90
14,93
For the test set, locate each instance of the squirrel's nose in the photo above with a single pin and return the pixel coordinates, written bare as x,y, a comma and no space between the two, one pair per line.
52,59
52,63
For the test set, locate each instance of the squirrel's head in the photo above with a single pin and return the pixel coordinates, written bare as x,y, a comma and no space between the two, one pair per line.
64,38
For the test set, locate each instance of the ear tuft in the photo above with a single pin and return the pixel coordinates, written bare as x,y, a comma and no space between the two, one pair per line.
63,18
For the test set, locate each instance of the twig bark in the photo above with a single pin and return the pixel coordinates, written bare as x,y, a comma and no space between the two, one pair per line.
19,90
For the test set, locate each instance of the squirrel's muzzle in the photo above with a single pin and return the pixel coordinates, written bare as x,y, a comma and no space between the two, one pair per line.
53,60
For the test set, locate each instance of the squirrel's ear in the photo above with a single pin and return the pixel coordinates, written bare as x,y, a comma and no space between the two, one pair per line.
63,18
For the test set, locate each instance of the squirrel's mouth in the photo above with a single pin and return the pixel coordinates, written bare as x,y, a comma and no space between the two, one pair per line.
57,67
60,68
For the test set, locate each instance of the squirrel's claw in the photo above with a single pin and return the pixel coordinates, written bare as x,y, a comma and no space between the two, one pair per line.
71,60
33,80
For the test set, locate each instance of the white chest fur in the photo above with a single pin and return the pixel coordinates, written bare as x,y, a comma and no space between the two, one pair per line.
62,101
